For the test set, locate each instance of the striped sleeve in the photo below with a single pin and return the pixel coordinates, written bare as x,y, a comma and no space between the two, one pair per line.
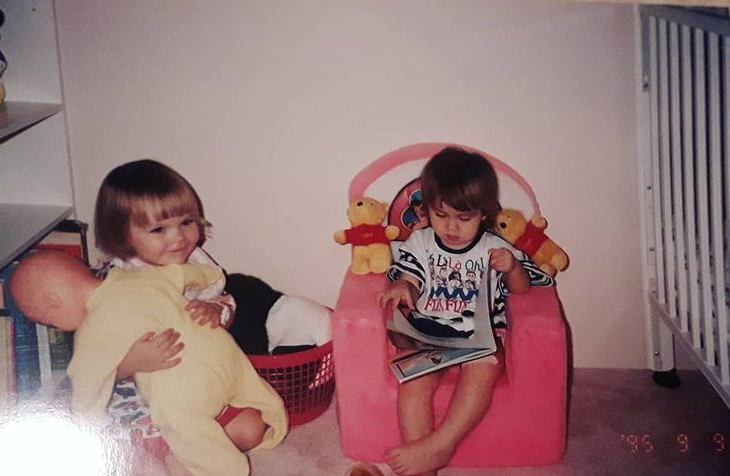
411,258
409,264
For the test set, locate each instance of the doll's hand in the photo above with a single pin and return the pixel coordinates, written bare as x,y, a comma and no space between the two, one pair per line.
150,353
398,293
502,260
206,312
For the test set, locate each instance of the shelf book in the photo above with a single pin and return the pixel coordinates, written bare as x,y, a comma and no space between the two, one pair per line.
25,344
420,353
7,359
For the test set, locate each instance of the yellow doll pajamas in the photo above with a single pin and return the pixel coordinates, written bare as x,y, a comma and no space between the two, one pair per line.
184,400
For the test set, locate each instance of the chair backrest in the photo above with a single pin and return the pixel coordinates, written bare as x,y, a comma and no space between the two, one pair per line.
393,179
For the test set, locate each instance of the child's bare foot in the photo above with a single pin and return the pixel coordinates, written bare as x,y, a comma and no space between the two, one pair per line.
419,457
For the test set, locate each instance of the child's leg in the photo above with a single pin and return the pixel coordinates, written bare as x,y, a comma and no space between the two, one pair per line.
246,429
415,412
197,442
469,403
471,399
415,406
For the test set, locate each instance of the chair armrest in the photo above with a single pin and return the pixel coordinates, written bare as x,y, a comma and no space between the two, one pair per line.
536,343
360,345
366,389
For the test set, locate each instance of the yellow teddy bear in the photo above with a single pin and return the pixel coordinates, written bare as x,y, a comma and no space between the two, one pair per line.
369,237
530,237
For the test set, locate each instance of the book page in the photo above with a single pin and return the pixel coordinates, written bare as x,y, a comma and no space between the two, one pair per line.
482,338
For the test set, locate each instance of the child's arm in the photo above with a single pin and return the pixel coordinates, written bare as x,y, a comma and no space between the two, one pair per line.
502,260
150,353
402,291
405,275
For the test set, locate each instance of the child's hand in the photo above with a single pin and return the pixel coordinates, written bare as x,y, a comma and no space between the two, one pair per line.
399,292
502,260
150,353
206,312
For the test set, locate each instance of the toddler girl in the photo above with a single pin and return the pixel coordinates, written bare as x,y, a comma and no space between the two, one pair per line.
461,198
149,215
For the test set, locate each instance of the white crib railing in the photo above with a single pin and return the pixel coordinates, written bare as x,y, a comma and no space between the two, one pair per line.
685,174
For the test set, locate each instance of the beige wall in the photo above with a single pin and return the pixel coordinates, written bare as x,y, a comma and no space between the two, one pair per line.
269,108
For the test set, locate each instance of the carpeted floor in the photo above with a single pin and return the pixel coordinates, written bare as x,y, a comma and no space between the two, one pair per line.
620,423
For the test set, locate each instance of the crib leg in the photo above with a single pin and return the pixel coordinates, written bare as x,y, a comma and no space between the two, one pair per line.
659,340
667,378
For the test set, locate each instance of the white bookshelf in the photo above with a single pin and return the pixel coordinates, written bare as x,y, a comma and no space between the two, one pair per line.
24,225
17,116
35,175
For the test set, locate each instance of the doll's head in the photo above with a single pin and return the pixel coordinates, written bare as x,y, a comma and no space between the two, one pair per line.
52,288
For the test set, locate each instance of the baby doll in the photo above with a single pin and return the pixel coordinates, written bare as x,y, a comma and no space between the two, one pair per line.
56,289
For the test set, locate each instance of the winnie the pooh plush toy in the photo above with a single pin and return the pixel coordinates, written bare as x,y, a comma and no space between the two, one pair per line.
530,237
368,236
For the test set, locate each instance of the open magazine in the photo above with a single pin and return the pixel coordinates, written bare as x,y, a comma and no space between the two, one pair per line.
421,353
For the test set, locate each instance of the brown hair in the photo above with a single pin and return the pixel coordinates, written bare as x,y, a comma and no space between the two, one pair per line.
139,193
464,181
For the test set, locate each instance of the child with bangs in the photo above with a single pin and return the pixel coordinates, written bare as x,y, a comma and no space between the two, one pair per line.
460,194
147,214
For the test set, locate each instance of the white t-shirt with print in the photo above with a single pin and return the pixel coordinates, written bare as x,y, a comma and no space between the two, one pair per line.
449,279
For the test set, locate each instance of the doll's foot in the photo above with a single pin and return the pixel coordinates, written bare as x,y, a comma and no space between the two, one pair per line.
423,456
364,469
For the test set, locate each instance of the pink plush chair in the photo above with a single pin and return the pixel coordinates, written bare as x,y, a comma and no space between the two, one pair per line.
526,424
